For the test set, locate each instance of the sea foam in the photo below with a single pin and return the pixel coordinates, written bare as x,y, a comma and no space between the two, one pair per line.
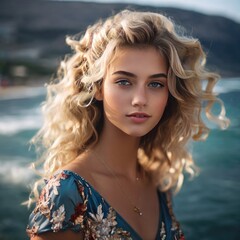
15,170
227,85
30,119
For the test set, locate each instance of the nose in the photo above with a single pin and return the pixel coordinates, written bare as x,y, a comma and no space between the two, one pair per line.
139,98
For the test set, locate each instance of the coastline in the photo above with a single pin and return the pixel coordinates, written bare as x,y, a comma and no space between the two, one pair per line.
21,91
38,88
5,90
24,89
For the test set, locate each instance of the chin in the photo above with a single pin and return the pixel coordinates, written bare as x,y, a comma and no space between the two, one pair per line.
136,134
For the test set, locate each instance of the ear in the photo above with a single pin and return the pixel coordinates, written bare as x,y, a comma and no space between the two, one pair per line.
99,95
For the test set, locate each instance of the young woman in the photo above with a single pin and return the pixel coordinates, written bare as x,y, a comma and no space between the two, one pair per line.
117,124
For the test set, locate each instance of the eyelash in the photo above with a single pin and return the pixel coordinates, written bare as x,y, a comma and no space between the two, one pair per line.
159,85
125,82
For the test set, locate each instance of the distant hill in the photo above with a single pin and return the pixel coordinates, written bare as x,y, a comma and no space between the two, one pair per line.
35,30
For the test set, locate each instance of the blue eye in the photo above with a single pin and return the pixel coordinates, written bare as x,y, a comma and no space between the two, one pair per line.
123,82
156,85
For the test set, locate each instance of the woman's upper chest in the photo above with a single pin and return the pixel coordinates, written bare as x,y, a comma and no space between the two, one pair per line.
137,204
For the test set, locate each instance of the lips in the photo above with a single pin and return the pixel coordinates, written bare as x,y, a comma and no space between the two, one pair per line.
138,115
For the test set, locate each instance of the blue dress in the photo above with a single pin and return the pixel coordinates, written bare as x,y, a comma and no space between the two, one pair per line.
68,201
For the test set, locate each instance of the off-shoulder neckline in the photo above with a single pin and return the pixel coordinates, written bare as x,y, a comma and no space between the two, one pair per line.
70,172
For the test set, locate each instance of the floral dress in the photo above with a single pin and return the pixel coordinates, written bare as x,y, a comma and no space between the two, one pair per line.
68,201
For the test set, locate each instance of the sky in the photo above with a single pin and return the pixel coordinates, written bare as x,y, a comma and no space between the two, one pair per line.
227,8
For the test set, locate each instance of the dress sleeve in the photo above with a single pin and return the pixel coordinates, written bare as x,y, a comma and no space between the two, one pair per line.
62,205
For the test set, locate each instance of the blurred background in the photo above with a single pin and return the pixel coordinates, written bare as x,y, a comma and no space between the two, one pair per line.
32,43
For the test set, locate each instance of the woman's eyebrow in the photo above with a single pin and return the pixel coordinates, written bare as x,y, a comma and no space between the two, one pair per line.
159,75
129,74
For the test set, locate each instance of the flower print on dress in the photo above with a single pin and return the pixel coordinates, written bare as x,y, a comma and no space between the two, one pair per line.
52,213
105,228
179,235
32,231
58,217
54,182
100,226
163,232
78,216
81,208
44,205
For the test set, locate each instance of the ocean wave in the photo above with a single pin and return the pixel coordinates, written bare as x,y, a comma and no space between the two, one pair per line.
30,120
16,170
227,85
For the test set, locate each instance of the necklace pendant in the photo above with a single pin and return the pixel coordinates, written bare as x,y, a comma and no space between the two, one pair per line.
137,210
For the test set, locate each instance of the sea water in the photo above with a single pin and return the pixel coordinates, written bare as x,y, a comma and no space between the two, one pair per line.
208,207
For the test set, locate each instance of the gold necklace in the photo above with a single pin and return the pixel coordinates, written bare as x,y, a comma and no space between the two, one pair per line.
134,207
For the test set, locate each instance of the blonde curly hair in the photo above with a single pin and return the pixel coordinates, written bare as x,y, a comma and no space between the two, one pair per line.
73,117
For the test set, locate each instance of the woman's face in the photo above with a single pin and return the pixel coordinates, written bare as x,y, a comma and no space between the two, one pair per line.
134,90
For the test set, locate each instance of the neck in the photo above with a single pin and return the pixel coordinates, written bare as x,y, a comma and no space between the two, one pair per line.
119,151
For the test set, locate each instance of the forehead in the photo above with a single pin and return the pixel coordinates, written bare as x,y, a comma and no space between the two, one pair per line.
136,59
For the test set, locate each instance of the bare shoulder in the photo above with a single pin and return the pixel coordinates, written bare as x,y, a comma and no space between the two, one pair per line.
82,165
70,235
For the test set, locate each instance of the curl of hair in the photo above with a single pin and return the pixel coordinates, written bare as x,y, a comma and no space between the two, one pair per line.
73,118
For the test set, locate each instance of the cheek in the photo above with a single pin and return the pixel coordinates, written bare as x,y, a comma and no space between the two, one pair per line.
161,104
113,100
